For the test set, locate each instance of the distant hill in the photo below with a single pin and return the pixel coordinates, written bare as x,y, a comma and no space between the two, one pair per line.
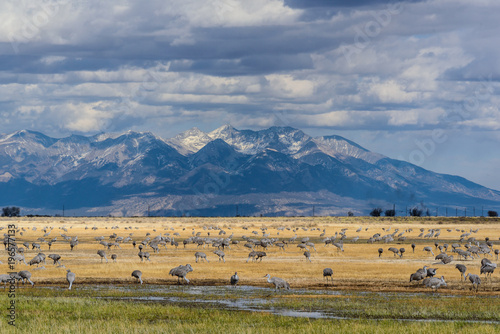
277,171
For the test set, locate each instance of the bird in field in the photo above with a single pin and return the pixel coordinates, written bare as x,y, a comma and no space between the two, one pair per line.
235,279
138,275
328,272
70,277
279,283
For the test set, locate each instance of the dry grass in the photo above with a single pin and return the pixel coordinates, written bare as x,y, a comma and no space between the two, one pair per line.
358,267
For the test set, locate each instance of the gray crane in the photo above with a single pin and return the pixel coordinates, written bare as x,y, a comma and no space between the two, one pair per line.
138,275
5,278
380,251
413,247
462,268
419,275
497,252
18,258
431,272
114,257
143,255
435,283
487,270
475,280
401,252
70,277
55,258
328,272
181,272
394,250
235,279
26,276
339,245
102,254
428,249
200,255
221,255
279,283
307,254
447,259
36,260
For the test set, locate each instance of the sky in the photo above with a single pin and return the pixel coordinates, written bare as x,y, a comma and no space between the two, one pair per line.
413,80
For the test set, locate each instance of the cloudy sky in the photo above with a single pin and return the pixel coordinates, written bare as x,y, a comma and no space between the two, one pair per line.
414,80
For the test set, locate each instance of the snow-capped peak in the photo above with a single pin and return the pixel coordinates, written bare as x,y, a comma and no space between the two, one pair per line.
189,141
337,147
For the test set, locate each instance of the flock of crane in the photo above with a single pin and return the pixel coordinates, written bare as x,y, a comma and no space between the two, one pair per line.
472,249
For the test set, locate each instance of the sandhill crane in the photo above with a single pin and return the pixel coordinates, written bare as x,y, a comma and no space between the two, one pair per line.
200,255
260,255
279,283
310,244
5,278
114,257
447,259
138,275
252,255
181,272
302,246
462,269
55,258
380,251
221,255
36,260
419,275
431,272
328,272
26,276
280,245
428,249
307,254
143,255
394,250
496,253
401,252
234,279
413,247
70,277
487,270
435,283
475,280
18,258
339,245
102,254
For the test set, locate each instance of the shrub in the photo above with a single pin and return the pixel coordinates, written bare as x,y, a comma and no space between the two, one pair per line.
492,213
12,211
376,212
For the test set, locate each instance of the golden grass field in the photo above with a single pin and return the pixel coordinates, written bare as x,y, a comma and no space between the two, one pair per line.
357,268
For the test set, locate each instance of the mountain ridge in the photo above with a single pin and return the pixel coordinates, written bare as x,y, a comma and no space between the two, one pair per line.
208,169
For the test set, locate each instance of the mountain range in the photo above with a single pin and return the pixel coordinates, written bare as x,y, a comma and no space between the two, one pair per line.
276,171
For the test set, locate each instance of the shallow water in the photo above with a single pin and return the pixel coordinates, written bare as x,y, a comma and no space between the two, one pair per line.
251,298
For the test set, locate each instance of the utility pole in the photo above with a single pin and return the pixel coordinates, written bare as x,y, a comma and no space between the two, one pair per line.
149,210
313,210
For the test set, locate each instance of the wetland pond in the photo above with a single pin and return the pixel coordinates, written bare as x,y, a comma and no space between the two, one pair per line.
301,303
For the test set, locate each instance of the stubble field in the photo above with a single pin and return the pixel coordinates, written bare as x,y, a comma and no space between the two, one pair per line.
357,271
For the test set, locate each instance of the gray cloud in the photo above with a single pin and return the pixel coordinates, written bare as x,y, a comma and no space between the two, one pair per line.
383,73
